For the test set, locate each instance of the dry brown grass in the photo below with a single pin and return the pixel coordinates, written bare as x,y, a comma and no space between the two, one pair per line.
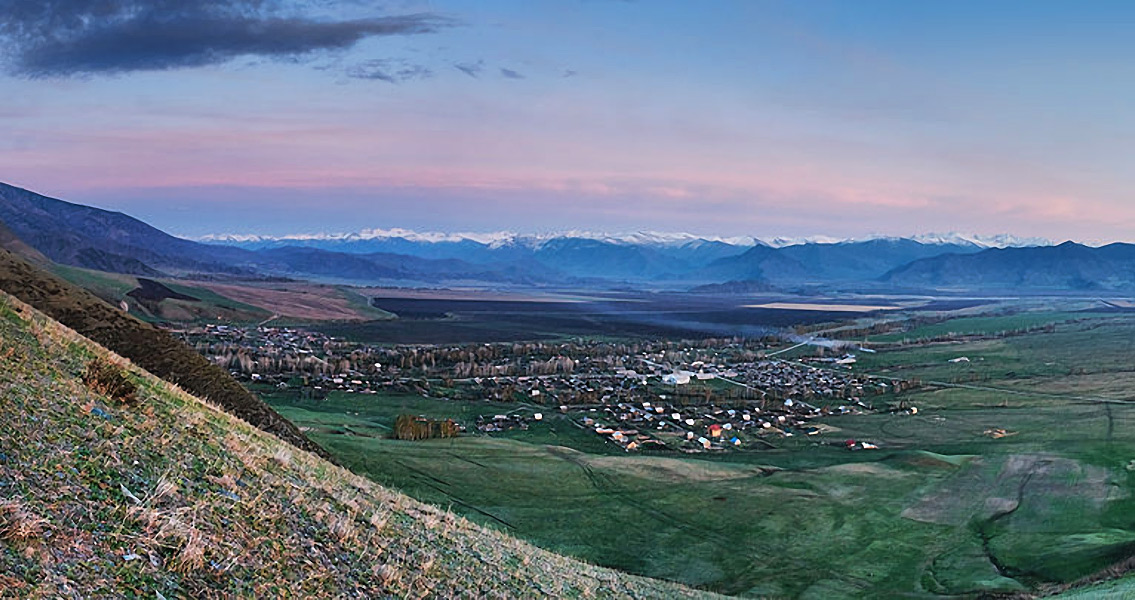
110,380
378,520
389,574
192,555
166,488
18,523
239,445
297,300
342,527
11,585
282,456
172,530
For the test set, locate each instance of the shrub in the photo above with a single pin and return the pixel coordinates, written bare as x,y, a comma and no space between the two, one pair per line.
105,378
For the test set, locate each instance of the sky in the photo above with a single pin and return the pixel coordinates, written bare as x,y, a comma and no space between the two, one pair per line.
753,117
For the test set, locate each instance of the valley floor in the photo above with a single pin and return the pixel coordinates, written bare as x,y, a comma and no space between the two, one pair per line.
1015,476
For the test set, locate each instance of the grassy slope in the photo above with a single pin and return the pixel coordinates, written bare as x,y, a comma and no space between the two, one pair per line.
152,348
338,303
114,287
170,495
296,301
979,325
111,287
11,242
361,304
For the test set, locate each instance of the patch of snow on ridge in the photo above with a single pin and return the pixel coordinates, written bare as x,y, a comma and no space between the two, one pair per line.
1001,240
782,242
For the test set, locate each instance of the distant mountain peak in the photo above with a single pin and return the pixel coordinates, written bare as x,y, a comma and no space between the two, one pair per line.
785,241
1000,240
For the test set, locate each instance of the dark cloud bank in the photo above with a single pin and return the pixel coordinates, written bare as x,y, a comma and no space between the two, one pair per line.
60,38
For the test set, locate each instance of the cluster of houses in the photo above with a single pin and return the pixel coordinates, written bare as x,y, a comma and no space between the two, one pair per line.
755,381
784,379
710,397
516,420
286,358
264,340
559,389
660,423
577,373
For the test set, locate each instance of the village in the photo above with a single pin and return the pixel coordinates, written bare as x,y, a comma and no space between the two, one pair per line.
708,395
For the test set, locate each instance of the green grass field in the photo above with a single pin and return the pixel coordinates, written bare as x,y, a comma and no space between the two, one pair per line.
1013,477
108,286
712,524
979,325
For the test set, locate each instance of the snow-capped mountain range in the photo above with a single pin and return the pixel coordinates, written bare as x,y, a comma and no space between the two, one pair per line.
495,239
644,255
77,235
500,239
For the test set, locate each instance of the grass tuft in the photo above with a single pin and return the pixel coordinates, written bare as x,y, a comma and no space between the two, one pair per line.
282,456
18,524
191,558
107,379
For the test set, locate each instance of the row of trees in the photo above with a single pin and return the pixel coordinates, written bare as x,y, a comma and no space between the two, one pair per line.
250,354
412,427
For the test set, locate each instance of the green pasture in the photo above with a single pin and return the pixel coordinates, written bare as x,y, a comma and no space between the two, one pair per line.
109,286
980,325
1014,475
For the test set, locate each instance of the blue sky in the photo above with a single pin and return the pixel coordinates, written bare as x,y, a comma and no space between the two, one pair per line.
727,118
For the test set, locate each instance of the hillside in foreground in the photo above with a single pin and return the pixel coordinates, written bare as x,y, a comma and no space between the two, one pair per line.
155,350
164,495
